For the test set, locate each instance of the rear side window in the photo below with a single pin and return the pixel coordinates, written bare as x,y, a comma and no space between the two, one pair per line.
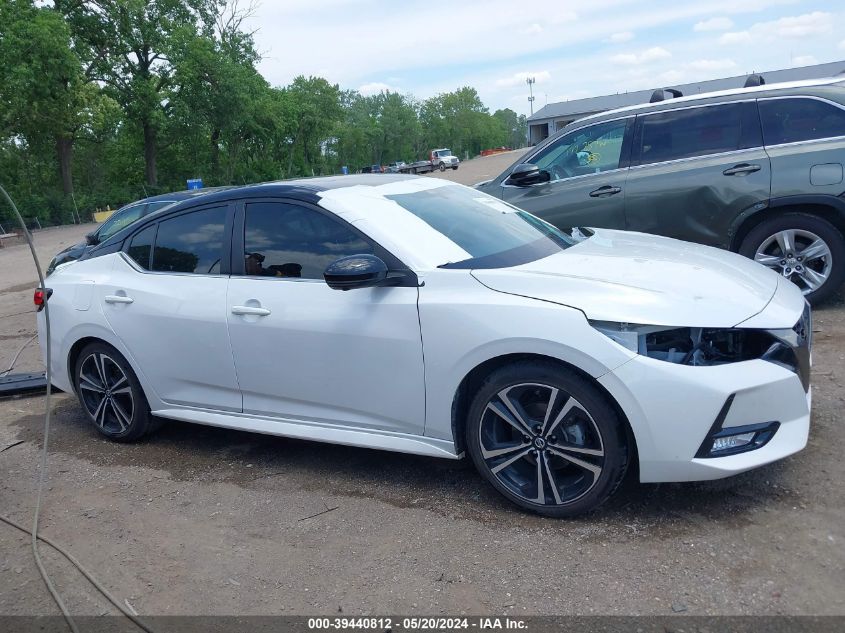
800,119
689,132
141,246
191,243
287,240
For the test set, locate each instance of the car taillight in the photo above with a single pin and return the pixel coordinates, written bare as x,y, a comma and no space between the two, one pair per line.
40,297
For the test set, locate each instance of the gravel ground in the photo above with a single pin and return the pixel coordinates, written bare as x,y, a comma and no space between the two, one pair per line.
197,520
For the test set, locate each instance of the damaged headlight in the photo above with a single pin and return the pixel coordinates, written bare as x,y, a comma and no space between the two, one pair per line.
699,346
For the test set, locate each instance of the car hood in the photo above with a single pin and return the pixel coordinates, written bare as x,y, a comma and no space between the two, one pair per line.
647,279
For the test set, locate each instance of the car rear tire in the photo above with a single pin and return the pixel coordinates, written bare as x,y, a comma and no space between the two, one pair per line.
546,439
110,394
806,249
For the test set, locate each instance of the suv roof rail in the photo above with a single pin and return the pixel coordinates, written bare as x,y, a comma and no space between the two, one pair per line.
661,94
754,80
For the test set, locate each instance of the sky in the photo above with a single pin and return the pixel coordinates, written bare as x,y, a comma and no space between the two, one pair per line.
572,49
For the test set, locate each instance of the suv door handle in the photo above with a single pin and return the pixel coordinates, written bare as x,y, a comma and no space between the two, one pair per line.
603,192
741,169
250,310
118,299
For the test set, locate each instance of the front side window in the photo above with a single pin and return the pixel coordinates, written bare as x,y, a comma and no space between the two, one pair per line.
590,150
288,240
800,119
120,219
689,132
191,243
493,233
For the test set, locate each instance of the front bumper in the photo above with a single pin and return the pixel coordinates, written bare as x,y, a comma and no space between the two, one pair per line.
672,409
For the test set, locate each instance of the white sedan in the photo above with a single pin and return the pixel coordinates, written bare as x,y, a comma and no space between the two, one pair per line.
416,315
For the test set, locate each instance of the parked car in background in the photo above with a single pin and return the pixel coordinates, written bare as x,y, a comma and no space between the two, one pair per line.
395,168
756,170
372,169
299,309
441,159
120,219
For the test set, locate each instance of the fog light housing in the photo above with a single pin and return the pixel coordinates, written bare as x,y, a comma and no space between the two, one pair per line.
731,441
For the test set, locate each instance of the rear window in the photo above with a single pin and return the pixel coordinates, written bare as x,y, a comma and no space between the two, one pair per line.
800,119
689,132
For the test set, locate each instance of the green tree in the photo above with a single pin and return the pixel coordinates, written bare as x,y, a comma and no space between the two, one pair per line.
128,45
515,126
42,88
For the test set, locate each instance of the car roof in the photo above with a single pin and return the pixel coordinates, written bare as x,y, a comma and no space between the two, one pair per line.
703,96
306,189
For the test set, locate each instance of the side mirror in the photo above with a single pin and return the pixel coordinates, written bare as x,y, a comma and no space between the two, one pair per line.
527,174
91,239
355,271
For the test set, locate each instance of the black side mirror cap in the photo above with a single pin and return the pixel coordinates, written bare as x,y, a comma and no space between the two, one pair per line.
527,174
356,271
91,239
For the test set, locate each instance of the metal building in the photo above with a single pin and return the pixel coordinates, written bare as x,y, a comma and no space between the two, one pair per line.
554,116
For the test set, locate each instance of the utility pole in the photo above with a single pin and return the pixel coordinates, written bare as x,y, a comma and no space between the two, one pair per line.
530,82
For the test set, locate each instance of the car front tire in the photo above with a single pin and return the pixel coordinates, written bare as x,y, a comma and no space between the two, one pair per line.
806,249
110,394
546,439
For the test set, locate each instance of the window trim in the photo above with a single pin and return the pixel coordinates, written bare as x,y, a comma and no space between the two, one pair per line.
804,142
638,131
238,243
226,252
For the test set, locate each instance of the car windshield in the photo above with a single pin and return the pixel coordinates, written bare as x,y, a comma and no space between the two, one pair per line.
443,152
493,233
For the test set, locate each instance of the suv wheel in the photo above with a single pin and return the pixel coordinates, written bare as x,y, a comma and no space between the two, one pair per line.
806,249
546,439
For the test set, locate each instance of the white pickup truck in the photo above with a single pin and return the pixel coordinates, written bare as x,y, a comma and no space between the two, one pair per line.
441,159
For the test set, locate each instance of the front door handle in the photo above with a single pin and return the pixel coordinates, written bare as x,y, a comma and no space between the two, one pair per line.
250,310
118,299
741,169
603,192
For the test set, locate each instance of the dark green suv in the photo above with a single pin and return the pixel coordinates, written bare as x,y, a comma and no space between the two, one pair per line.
754,170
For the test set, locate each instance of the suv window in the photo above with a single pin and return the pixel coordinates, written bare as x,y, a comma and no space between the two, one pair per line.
592,149
119,219
288,240
191,243
689,132
800,119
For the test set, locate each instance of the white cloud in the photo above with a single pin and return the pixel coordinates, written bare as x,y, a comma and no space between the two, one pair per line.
808,25
735,37
519,78
620,37
671,77
644,57
712,64
799,26
376,87
714,24
804,60
531,29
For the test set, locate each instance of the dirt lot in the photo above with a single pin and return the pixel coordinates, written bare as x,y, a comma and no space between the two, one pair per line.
199,520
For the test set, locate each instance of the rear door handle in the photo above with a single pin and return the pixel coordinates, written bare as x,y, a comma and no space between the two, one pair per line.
741,169
250,310
605,191
118,299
